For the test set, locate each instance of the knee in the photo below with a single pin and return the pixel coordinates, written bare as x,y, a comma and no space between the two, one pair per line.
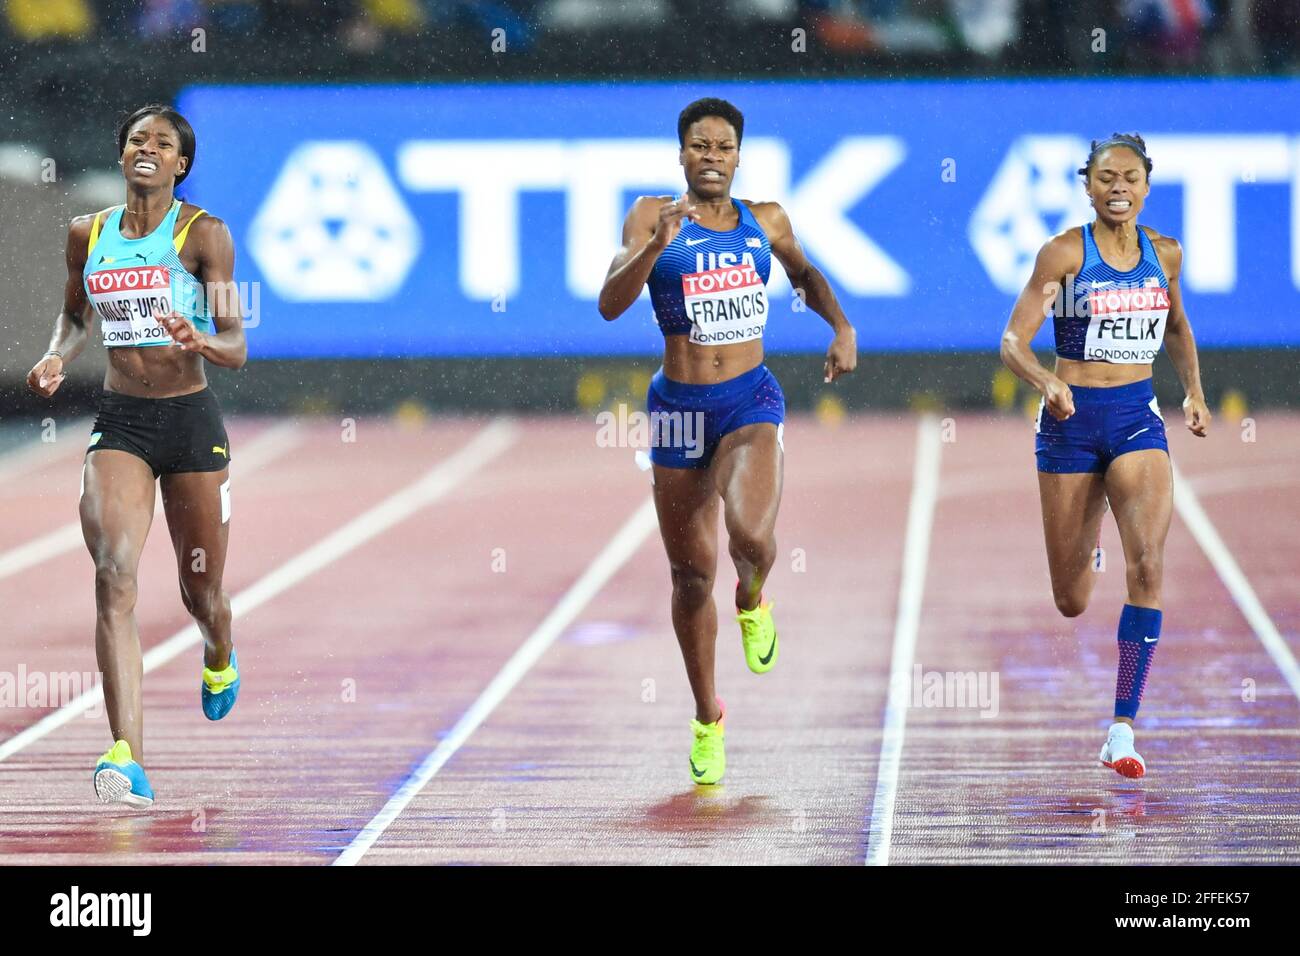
1145,571
203,599
691,584
758,550
1071,605
115,587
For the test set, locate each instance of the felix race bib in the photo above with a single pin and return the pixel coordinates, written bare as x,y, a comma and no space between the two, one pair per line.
1126,326
128,301
725,305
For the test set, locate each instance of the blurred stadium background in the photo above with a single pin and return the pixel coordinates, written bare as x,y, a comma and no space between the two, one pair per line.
327,126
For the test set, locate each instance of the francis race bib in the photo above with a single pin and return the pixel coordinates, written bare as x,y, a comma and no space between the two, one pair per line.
725,305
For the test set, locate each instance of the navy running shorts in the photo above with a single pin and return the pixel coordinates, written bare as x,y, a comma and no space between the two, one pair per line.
1107,423
688,421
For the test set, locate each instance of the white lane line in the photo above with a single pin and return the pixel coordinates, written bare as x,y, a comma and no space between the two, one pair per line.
39,550
489,443
911,591
37,453
1203,530
267,446
613,556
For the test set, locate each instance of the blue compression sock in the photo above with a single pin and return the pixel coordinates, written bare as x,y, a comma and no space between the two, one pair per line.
1139,632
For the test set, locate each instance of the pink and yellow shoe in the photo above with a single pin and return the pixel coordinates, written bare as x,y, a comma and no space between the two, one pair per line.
758,635
708,756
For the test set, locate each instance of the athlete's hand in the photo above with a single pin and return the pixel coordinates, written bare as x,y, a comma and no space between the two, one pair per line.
183,333
46,376
1197,414
842,356
1058,398
670,221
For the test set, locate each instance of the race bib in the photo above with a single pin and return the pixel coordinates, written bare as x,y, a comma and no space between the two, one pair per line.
1126,326
127,302
725,305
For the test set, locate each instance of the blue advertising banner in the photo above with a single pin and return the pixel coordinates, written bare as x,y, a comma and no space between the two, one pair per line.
394,221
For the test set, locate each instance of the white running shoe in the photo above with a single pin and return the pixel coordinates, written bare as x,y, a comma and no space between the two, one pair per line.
1118,752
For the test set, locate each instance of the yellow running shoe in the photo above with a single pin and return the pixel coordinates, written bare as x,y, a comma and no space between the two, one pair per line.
758,634
119,779
708,758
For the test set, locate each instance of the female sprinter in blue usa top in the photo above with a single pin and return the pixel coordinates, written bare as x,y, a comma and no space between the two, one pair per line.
716,411
1102,436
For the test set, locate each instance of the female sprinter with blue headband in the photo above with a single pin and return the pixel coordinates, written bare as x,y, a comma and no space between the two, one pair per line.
157,274
1112,288
706,257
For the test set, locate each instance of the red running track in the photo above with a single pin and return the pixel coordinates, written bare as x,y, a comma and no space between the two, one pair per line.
354,673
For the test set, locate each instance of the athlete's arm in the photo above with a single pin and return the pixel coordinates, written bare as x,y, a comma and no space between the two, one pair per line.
811,286
75,322
1179,340
650,225
1058,258
215,252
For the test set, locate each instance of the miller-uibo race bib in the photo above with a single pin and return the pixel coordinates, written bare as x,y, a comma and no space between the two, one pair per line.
725,305
1126,326
128,302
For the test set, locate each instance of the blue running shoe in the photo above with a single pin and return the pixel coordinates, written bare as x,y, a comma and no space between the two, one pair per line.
219,689
119,779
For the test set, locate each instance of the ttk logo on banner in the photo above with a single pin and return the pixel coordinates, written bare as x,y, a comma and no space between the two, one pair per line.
334,228
334,225
1037,192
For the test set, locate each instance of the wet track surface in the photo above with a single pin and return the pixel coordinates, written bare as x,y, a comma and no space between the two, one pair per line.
356,671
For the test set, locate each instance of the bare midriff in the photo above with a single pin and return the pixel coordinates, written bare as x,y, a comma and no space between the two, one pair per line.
694,364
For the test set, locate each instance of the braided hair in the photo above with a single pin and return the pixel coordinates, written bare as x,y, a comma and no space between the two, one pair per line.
1128,140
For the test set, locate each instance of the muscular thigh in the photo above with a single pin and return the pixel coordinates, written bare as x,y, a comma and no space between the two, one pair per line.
116,507
748,470
687,504
197,505
1073,505
1140,487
